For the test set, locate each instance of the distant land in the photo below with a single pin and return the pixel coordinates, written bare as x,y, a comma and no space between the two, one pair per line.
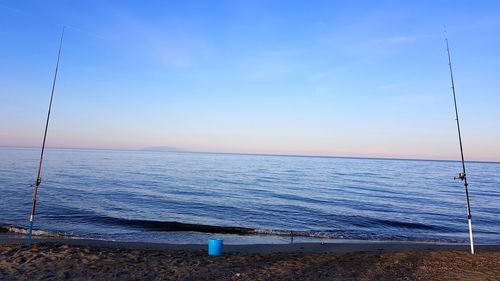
164,149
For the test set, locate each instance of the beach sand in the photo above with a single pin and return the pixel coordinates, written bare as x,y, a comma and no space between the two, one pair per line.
97,260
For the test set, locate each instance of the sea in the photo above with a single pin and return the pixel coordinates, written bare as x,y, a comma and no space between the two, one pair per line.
186,198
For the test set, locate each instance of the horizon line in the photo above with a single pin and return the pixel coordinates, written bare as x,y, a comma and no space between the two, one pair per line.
145,149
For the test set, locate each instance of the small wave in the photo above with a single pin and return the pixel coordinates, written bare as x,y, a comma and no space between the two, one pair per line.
176,226
24,231
410,225
342,234
171,226
292,233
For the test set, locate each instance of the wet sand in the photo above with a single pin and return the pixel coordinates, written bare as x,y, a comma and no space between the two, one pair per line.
98,260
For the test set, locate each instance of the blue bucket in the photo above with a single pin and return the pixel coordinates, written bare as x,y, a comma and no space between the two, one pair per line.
215,246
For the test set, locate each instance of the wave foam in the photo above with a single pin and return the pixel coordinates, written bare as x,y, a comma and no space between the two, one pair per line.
24,231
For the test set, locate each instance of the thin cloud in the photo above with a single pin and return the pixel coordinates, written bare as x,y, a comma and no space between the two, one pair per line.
390,86
486,23
271,64
10,9
176,44
394,40
349,43
416,99
384,45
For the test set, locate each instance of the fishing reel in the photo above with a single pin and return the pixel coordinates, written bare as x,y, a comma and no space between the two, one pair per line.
461,176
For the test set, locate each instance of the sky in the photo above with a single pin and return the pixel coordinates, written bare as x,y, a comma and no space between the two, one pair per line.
330,78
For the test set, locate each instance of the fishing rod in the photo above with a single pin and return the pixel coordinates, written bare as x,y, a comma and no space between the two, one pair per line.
39,175
462,175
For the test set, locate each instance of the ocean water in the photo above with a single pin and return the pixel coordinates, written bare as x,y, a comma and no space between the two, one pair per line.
188,197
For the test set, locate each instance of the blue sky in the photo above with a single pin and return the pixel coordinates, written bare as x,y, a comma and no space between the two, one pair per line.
344,78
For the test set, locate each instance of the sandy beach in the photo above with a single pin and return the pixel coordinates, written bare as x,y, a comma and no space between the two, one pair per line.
98,260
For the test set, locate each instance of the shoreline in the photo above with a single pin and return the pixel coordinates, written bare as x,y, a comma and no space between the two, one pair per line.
80,259
335,246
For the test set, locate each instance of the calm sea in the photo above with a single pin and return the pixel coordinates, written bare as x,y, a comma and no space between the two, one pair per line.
188,197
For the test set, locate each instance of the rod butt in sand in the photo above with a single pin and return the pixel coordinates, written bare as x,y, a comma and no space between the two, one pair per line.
470,236
30,233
